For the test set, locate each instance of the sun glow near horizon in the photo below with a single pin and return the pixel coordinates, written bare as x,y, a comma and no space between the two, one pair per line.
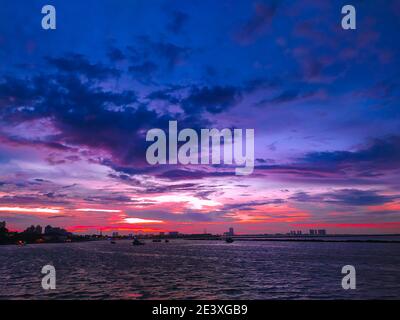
139,220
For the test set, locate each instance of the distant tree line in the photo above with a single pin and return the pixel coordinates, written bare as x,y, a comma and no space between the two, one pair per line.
35,234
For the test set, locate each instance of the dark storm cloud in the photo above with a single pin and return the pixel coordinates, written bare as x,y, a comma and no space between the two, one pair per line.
262,83
164,52
15,91
205,194
177,21
258,24
383,153
195,100
286,97
60,216
125,170
372,164
172,53
348,197
212,99
79,64
251,205
20,142
146,187
146,69
296,168
164,95
181,174
115,54
85,114
107,199
173,188
28,199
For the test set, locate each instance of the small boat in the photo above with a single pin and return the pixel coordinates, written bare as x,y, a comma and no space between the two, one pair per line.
228,240
136,242
21,243
156,240
166,240
112,242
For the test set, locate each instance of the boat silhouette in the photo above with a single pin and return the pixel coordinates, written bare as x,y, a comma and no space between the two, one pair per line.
136,242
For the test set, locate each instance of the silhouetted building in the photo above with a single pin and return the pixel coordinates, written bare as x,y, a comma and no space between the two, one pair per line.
322,232
298,232
55,234
34,230
173,233
115,234
49,230
229,233
3,228
38,229
313,232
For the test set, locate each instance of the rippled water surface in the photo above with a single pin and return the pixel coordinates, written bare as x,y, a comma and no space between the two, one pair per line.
201,270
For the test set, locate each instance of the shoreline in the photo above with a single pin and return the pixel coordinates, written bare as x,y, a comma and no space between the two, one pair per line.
285,239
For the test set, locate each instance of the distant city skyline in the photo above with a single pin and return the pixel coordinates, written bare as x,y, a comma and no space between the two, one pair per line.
38,229
76,103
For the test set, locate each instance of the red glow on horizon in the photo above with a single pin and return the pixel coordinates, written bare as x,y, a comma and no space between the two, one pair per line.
376,225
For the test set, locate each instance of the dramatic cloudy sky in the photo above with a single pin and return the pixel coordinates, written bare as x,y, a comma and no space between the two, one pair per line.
75,105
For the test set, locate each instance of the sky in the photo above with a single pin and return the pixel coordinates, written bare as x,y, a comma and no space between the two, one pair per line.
76,103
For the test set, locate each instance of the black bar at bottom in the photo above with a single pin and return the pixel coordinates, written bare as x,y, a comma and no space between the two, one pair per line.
180,309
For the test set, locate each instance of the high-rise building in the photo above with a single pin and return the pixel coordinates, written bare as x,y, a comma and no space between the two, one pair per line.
48,229
115,234
322,232
30,230
313,232
231,232
38,229
34,230
53,231
2,224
